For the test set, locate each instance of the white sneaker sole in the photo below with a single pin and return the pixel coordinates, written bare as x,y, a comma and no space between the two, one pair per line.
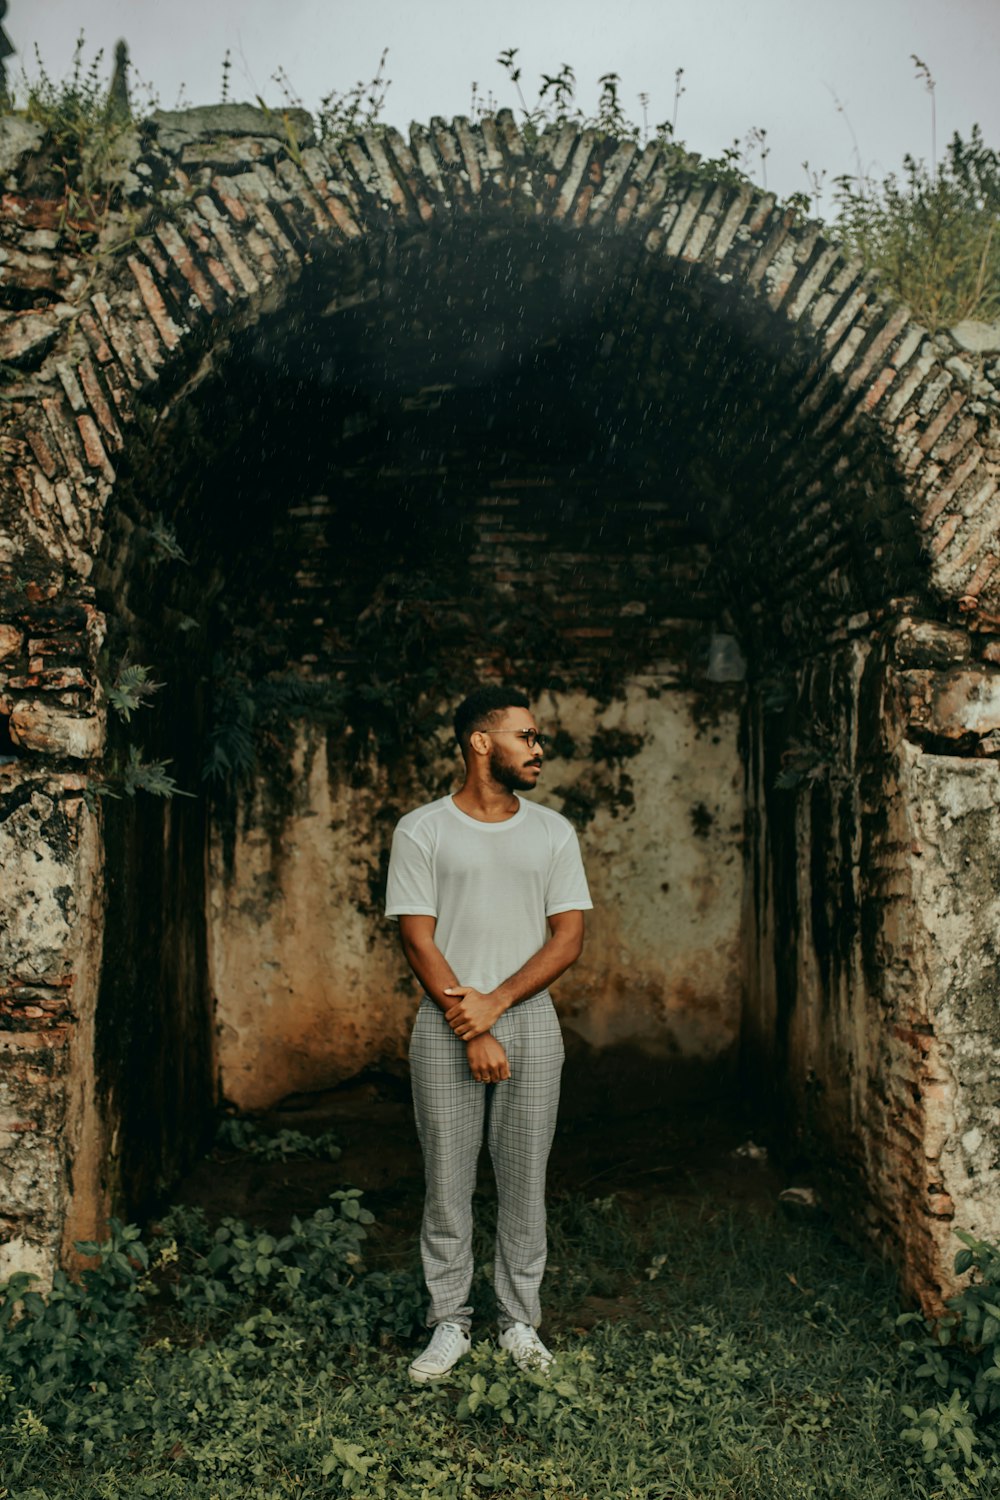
532,1366
425,1377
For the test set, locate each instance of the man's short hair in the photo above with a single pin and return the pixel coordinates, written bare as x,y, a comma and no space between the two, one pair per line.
480,709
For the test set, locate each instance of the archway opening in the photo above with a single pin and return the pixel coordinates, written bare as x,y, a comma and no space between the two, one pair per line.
481,453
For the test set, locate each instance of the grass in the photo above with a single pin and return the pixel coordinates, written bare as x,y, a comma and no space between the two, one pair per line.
706,1351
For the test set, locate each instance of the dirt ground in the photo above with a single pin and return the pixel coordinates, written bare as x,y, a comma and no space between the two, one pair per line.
688,1151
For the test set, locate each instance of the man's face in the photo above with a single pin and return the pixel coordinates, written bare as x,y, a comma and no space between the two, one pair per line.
512,763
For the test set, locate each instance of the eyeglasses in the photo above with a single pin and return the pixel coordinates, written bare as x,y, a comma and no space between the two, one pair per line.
531,737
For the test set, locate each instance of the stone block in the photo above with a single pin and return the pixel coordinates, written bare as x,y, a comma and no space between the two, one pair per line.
228,152
50,869
18,1253
976,337
925,643
178,128
11,640
52,731
964,702
50,680
18,138
25,338
29,1170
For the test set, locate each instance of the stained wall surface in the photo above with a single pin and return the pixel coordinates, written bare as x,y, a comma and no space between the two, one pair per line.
870,980
309,984
51,858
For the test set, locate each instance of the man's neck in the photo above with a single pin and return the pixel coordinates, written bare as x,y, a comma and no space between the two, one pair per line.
486,801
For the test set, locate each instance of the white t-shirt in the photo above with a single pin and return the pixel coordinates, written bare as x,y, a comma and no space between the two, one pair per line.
491,886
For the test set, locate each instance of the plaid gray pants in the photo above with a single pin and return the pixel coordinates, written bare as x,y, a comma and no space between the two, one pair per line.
520,1118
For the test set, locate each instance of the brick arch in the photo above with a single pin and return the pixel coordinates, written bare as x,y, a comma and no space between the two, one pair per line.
254,214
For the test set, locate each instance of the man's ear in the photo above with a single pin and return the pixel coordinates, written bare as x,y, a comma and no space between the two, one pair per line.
479,742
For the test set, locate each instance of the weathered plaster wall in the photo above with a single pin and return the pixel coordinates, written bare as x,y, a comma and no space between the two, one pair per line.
873,904
661,972
52,1131
954,805
309,984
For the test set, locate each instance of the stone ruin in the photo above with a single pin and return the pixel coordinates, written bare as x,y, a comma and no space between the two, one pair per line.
318,435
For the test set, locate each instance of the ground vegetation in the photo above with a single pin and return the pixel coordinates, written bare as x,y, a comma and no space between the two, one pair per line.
705,1349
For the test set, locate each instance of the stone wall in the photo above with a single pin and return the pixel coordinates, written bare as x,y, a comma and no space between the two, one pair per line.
50,1119
871,912
841,465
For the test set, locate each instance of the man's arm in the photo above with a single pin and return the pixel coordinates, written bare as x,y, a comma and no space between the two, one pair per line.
470,1013
487,1058
426,959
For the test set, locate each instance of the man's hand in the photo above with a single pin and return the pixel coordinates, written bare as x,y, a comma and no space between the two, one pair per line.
474,1013
487,1059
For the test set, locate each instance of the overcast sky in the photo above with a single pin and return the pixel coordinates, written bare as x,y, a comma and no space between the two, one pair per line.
831,83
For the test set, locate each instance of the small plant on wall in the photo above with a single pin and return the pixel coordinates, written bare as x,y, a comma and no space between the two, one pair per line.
127,772
87,128
932,230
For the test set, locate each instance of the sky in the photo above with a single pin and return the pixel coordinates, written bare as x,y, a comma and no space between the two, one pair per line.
831,84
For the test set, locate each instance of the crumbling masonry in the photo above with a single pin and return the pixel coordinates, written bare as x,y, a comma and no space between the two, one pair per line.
642,439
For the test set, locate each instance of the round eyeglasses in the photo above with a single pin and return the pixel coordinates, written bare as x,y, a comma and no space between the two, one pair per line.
531,737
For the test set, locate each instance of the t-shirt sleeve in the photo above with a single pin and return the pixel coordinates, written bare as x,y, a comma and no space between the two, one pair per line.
409,890
567,888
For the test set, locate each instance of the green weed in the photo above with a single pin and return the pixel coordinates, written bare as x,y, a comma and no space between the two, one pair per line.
281,1145
86,139
131,690
763,1363
932,231
593,1248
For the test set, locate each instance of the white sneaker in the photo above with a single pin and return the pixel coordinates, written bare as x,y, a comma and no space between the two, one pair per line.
525,1347
449,1343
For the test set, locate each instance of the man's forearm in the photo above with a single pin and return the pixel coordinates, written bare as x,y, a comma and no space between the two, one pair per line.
472,1012
542,969
432,969
487,1058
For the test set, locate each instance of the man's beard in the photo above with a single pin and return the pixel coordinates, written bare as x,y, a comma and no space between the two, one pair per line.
511,777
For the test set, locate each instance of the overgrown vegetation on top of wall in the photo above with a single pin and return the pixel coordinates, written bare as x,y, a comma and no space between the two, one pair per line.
86,125
932,230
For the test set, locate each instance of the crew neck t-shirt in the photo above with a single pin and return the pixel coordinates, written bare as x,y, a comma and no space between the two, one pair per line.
491,886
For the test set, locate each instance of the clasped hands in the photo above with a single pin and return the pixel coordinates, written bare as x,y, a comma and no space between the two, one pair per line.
473,1013
470,1018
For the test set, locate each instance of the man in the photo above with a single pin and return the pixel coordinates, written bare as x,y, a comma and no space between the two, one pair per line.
490,893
